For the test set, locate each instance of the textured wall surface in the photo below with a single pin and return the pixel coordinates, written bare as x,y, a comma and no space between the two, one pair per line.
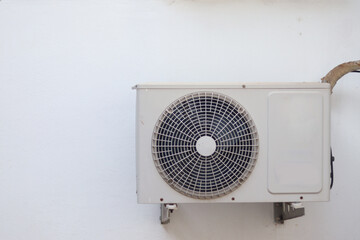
67,156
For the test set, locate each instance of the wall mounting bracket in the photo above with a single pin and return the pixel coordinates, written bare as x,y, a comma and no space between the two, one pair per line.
165,210
288,210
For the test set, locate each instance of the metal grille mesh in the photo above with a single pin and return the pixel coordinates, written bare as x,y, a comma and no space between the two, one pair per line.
184,166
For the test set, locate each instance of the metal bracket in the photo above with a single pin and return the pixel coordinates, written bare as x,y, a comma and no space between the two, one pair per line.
165,210
288,210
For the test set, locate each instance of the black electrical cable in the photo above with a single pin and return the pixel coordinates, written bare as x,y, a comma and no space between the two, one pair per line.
332,159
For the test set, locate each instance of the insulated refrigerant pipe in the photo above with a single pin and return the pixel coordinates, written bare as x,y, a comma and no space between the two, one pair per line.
339,71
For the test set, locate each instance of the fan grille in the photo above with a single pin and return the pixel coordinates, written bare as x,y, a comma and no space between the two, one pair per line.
205,145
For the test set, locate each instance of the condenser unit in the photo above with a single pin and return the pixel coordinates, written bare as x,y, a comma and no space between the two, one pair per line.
232,143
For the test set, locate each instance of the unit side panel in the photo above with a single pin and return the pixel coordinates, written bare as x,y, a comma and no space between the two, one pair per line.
295,141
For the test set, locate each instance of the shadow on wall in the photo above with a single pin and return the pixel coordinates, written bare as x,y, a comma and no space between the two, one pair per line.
216,221
265,2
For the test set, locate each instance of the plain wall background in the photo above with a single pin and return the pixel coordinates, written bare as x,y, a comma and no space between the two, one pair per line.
67,157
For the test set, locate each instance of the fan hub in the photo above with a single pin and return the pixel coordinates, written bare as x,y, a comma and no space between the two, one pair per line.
205,146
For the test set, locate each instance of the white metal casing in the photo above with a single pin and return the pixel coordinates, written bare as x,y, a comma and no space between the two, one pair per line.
293,123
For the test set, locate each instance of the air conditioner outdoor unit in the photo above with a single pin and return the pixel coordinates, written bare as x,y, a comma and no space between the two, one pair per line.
235,142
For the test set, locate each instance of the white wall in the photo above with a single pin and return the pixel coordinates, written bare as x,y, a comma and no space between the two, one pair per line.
67,164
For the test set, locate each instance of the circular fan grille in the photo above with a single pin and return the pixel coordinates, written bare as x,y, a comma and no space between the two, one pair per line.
205,145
